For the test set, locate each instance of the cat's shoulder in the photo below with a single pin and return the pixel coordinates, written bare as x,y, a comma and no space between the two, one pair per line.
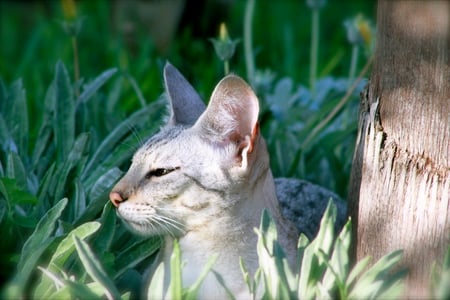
304,203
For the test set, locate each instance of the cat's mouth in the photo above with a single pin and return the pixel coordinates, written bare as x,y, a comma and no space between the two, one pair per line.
150,222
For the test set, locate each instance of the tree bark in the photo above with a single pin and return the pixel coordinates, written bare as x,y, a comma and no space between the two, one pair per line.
399,188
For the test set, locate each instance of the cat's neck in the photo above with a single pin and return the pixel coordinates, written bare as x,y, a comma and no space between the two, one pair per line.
231,232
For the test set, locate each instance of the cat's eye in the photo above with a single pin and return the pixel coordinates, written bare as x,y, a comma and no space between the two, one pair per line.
159,172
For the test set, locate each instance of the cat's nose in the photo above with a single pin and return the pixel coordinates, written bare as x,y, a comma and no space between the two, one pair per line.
115,198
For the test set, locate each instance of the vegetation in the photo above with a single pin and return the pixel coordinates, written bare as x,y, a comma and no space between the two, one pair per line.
84,102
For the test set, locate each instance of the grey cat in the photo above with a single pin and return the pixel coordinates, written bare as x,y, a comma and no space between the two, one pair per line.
205,179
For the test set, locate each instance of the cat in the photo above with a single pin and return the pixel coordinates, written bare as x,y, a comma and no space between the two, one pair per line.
204,179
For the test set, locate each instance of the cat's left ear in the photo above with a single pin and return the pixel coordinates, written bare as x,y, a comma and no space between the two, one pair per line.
232,115
186,105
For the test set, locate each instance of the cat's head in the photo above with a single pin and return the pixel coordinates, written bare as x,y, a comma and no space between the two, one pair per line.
200,164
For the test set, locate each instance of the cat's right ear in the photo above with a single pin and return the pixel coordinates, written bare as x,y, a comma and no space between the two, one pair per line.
186,105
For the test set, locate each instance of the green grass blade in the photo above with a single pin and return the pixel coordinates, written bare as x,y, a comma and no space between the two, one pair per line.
95,269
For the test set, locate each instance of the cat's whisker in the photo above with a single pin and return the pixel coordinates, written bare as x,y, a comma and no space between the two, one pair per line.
135,133
172,223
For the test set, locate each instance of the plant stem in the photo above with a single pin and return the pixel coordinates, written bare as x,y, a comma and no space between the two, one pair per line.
354,61
314,49
226,67
338,107
76,65
248,44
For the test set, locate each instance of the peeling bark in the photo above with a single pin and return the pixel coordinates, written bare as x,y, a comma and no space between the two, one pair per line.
400,184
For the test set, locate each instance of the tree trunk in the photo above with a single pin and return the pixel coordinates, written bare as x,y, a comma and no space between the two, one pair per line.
399,190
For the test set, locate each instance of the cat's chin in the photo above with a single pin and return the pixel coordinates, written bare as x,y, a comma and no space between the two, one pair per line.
149,230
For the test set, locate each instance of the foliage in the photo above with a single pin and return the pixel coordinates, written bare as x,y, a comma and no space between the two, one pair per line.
69,159
324,268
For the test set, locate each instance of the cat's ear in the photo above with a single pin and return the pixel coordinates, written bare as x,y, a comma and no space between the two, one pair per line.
232,114
186,105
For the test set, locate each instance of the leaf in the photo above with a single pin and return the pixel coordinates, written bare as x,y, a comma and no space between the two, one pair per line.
105,235
156,288
272,261
313,264
105,182
33,248
98,194
80,290
15,169
16,117
73,158
109,144
64,122
371,282
65,248
175,290
192,291
136,253
95,269
91,88
339,264
16,195
43,140
6,140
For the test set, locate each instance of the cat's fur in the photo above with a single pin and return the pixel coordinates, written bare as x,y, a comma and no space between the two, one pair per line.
204,179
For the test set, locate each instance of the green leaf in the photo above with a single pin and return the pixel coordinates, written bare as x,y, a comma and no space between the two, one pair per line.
105,182
15,169
65,248
95,269
105,236
91,88
192,291
80,290
33,248
6,140
313,264
64,122
156,288
136,253
273,264
98,194
43,140
356,270
110,143
339,264
375,281
175,290
73,158
16,195
16,117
